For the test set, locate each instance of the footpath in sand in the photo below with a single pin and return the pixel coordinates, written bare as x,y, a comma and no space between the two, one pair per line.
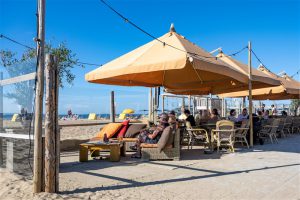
270,171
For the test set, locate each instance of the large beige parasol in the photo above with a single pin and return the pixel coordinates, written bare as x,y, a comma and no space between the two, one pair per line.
289,89
173,62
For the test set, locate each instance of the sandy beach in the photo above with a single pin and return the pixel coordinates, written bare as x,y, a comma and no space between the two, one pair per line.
270,171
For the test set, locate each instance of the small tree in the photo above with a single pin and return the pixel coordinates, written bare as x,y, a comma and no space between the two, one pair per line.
23,91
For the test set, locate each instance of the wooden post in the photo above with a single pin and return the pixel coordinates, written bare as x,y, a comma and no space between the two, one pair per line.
250,94
189,102
50,129
112,106
1,119
38,115
57,128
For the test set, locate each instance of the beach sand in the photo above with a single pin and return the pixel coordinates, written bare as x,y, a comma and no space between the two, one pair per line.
270,171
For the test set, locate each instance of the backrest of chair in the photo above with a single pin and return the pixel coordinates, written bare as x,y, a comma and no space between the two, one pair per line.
177,138
280,123
245,124
225,125
275,125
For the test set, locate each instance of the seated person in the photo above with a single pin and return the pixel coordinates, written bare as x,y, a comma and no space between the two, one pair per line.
284,113
150,136
172,119
215,116
189,118
243,115
260,114
266,114
232,115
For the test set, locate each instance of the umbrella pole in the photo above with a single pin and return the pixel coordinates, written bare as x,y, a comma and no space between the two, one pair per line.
150,105
250,94
163,104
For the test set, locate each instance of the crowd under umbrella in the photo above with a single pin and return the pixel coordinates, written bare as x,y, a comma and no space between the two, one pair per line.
289,89
175,63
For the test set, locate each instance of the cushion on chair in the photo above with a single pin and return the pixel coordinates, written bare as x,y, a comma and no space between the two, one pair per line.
134,129
110,129
123,129
166,138
146,145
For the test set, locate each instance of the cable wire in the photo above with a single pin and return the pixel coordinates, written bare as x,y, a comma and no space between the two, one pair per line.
28,47
157,39
295,74
16,42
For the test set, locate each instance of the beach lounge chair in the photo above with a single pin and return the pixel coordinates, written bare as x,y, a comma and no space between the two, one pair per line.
169,152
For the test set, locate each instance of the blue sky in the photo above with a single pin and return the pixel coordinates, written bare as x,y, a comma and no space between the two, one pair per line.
97,35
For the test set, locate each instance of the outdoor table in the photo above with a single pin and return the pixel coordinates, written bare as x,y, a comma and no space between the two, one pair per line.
116,148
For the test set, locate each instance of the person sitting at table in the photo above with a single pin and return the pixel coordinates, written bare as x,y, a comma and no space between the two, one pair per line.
232,115
266,114
215,116
198,117
172,119
190,120
243,115
260,114
150,136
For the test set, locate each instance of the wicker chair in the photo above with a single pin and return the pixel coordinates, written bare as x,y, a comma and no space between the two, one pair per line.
269,131
197,135
223,135
241,133
151,152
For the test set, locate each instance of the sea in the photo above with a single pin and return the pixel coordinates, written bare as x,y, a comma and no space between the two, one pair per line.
8,116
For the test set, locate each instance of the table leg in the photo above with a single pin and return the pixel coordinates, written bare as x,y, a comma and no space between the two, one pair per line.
115,153
123,150
83,154
95,153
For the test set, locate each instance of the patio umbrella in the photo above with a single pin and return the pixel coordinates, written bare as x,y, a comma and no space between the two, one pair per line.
173,62
128,111
259,79
289,89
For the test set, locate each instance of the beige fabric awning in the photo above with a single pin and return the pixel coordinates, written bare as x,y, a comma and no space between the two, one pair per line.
289,89
172,64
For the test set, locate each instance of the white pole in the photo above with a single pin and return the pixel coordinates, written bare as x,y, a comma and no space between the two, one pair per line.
250,94
150,105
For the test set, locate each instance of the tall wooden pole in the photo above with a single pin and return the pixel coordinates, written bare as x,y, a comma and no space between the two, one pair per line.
50,129
38,115
1,118
57,128
112,107
250,93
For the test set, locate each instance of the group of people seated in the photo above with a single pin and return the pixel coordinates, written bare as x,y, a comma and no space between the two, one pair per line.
152,135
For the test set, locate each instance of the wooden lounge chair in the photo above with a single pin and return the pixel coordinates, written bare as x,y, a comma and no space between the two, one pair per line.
171,152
